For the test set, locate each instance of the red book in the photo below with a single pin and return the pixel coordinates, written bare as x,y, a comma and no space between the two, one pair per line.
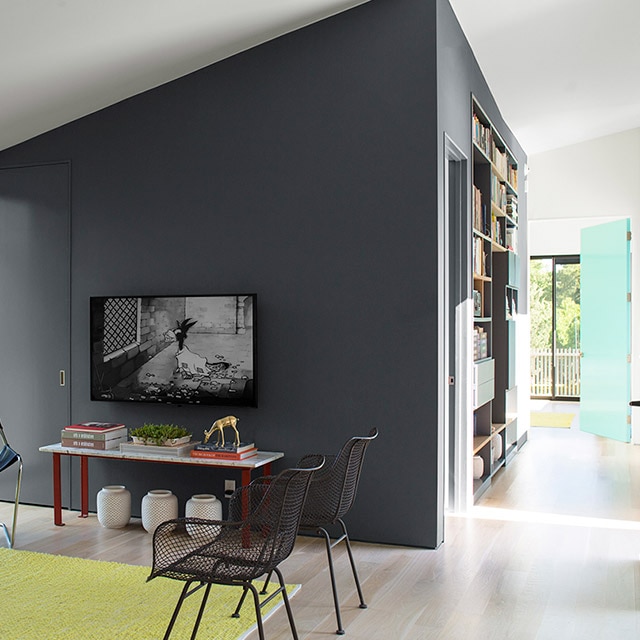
224,455
95,426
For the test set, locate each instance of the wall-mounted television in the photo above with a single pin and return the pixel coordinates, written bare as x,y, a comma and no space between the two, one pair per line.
197,349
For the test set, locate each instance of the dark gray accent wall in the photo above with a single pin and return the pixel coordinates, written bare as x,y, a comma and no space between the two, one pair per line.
302,170
306,170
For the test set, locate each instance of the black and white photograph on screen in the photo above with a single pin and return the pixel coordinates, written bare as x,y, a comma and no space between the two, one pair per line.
177,349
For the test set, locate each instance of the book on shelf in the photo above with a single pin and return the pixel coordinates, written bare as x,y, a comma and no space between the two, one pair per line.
95,426
478,214
111,434
512,207
496,231
483,136
99,445
212,454
512,176
498,193
499,159
480,344
479,257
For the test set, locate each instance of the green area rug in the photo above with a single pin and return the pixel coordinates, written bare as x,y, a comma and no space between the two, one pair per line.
49,597
552,419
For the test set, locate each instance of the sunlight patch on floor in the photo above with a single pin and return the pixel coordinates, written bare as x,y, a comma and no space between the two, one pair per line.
533,517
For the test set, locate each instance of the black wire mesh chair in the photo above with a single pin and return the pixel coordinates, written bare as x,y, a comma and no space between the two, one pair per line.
331,494
8,457
259,534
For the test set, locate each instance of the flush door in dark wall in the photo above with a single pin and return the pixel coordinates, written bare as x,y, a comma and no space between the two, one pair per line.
34,319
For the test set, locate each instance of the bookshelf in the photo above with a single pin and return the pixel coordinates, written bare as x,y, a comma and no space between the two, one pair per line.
495,299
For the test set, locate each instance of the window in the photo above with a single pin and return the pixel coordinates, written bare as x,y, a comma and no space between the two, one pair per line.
555,326
120,323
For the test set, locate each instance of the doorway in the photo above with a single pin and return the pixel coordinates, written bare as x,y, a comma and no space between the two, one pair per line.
454,342
554,283
35,208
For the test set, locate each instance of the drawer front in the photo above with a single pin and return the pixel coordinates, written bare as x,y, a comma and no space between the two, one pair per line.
484,372
484,392
513,269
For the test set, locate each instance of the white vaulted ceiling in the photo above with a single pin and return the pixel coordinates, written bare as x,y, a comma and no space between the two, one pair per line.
561,71
63,59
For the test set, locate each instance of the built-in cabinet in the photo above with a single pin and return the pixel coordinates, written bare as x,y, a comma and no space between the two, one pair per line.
495,300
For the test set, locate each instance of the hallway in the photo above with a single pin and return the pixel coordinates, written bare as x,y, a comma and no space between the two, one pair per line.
568,472
560,532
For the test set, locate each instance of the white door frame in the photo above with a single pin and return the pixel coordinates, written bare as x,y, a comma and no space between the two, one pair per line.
454,333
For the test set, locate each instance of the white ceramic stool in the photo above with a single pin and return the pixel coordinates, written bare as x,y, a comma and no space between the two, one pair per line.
114,506
158,506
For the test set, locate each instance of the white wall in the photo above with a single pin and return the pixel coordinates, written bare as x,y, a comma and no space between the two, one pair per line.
582,185
598,178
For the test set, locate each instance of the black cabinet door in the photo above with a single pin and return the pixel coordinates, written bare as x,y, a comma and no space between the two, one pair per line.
34,319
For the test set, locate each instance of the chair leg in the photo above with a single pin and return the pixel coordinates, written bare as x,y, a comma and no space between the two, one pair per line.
183,596
200,611
176,611
15,505
327,539
256,604
287,604
263,591
11,537
236,613
353,564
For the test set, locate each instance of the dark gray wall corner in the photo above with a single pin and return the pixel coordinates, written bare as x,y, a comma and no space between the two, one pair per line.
460,77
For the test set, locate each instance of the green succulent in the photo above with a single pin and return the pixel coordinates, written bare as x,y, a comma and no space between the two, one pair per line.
158,433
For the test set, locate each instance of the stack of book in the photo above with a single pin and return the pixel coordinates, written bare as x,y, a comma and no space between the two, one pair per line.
480,344
512,207
94,435
224,452
478,210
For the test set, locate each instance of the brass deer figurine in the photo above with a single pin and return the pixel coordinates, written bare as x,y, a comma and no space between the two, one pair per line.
218,428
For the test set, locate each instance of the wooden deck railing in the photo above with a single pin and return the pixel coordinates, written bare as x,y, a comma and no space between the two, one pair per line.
567,372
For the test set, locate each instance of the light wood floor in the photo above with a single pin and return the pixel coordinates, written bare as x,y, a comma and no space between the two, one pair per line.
551,552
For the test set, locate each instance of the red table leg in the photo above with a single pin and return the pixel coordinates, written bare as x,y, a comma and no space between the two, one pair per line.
57,492
84,487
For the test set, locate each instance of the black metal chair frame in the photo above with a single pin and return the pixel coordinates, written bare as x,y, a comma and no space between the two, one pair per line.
331,495
260,533
8,457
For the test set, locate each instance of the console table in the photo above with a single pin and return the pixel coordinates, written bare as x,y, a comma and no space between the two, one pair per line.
261,459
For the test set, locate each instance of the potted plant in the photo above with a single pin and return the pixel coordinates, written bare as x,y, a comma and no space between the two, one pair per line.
167,435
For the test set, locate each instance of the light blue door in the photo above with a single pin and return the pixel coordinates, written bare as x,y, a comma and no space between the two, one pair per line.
605,311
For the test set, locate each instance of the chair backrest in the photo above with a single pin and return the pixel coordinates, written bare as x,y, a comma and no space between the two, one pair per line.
275,508
3,437
333,489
